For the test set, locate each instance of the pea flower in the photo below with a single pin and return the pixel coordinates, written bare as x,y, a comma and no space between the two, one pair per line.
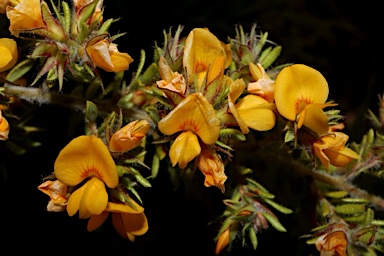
106,56
251,111
128,222
4,127
57,191
211,165
172,81
129,137
195,118
97,15
26,16
333,244
86,157
263,86
205,56
300,95
8,53
331,150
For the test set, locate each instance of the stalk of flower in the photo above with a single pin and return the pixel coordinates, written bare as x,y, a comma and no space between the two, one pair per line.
128,222
8,53
86,157
300,95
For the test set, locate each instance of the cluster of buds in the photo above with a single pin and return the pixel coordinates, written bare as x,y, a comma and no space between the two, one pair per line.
73,42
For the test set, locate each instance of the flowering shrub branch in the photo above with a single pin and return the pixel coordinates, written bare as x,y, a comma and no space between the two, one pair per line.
201,105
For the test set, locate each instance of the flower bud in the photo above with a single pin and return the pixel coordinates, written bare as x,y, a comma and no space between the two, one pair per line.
129,137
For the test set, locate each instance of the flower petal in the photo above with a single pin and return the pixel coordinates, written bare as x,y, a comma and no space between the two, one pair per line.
256,112
124,208
314,118
95,221
136,224
85,156
194,113
185,148
296,86
129,137
94,199
8,53
74,200
25,16
203,52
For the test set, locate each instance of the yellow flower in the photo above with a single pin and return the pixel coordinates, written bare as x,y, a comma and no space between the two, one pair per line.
129,137
222,241
172,81
4,127
251,111
205,57
97,15
194,117
333,244
83,157
331,150
3,5
8,53
127,221
263,86
106,56
57,191
25,16
211,165
300,95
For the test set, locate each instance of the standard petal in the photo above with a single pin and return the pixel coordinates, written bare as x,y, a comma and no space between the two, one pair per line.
203,52
256,112
95,198
297,86
85,156
194,113
185,148
136,224
95,221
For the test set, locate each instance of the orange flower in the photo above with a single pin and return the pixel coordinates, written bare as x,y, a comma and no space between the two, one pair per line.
83,157
211,165
25,16
333,244
106,56
222,241
251,111
4,127
172,81
97,15
194,117
57,191
263,86
128,222
8,53
205,57
331,150
129,137
3,5
300,95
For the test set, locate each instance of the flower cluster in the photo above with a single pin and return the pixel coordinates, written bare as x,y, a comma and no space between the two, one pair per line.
202,104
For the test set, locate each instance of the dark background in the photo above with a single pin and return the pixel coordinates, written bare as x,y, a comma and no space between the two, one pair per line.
338,38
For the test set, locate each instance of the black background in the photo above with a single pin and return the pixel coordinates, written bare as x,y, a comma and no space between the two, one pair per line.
338,38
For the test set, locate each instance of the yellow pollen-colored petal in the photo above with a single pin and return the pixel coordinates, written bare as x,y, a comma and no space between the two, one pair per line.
256,112
85,156
8,53
196,114
136,224
124,208
95,221
185,148
74,200
296,86
314,118
94,199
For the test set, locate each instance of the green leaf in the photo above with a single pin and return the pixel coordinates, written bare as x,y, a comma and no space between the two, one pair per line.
20,69
274,222
278,207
